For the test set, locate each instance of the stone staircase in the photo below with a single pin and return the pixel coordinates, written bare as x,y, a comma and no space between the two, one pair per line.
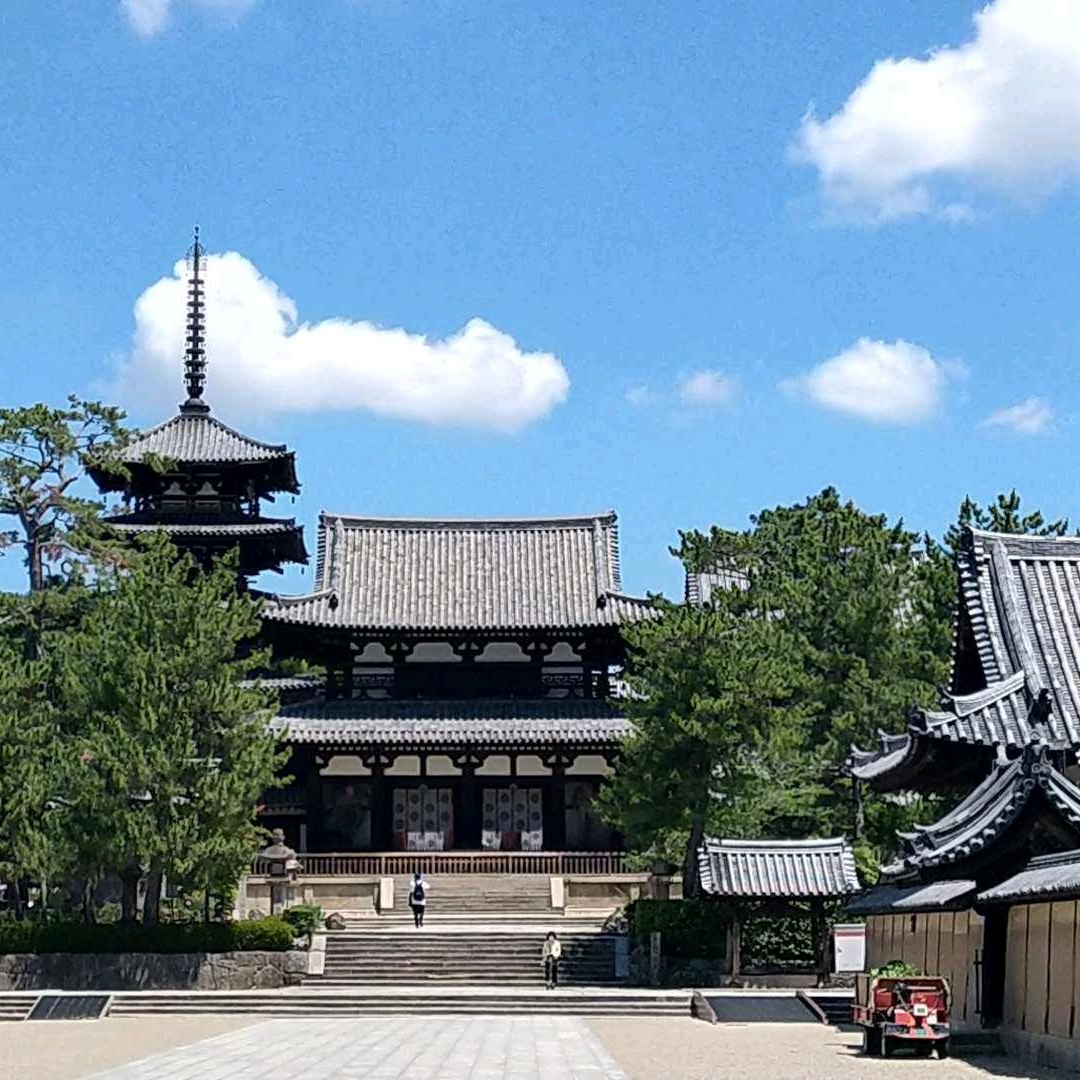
16,1006
405,1003
495,956
491,895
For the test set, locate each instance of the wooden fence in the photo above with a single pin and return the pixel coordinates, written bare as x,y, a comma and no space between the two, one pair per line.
397,863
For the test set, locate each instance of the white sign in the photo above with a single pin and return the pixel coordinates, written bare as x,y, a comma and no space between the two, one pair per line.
849,940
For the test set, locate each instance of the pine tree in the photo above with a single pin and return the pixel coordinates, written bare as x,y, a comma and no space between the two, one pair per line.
176,751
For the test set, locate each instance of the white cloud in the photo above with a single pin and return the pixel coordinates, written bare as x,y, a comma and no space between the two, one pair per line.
1032,416
707,388
1001,111
640,395
150,17
261,358
896,383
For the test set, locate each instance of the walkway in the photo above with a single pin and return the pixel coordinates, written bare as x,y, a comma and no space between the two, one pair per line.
393,1048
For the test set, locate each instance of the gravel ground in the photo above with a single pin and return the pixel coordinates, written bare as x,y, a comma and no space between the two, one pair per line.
646,1049
69,1049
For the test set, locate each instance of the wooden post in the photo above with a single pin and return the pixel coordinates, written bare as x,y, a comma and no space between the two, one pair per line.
735,947
555,826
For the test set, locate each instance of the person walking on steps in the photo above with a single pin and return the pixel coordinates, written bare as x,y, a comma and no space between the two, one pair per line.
418,898
552,955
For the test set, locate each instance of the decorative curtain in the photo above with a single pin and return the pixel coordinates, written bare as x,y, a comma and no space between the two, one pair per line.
513,819
423,818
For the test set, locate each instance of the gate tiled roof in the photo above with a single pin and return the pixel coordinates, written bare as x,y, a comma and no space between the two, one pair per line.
778,868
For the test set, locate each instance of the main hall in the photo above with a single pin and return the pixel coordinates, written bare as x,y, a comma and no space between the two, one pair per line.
467,689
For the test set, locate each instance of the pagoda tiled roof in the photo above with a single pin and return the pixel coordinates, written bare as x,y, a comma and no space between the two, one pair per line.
211,526
422,574
981,818
1052,877
543,722
1020,596
199,437
778,868
193,438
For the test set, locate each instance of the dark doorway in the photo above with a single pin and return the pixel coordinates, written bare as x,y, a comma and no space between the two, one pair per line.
992,966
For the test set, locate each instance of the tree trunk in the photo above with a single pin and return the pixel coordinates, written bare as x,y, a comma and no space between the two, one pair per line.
152,901
16,895
89,913
35,565
858,811
129,899
691,876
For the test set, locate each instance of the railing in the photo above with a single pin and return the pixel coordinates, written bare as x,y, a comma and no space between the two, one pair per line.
389,864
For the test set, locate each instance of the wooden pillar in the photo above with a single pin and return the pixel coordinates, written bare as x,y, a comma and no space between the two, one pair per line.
819,935
735,945
555,826
467,825
313,801
380,801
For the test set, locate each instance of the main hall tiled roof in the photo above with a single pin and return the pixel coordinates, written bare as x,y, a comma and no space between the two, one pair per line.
1020,595
482,574
778,868
454,724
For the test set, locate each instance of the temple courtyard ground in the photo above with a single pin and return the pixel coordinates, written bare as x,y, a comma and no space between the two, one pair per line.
456,1048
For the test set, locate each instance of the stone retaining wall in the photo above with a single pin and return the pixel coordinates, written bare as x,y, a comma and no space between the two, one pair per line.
152,971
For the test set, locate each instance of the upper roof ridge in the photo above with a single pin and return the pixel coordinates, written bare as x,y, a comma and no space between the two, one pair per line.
606,517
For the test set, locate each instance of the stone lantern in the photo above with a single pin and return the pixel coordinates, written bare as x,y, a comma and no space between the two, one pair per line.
282,867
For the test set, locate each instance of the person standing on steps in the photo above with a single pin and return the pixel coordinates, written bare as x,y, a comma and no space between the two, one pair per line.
418,898
552,955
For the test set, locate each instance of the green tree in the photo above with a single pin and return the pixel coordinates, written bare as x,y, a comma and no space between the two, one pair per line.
707,688
176,753
1003,515
29,776
869,613
45,455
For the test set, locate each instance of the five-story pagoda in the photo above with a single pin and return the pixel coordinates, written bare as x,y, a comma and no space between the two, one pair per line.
202,481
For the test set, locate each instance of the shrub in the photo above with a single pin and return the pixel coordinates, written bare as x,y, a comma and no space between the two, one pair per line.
269,935
897,969
691,929
777,939
304,918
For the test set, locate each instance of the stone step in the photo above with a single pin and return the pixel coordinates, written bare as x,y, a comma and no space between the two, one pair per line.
329,1004
16,1006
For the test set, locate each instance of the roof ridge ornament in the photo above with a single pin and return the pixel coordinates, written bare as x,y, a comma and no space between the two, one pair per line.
195,335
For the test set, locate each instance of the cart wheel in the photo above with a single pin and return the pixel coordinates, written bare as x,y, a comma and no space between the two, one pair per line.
943,1048
887,1046
924,1049
871,1042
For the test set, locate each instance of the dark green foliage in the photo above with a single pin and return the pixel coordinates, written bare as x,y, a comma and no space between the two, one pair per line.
261,935
776,940
303,918
746,710
1003,515
690,929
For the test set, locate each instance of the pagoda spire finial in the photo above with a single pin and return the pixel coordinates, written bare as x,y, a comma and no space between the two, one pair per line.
195,336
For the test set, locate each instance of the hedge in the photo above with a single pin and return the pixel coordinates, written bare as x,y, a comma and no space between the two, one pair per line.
256,935
691,929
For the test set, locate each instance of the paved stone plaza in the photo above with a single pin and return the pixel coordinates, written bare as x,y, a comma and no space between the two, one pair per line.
449,1048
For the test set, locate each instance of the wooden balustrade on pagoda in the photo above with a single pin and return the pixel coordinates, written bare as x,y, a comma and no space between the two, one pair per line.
400,863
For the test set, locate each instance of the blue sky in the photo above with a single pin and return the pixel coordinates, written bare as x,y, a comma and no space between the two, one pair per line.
720,260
